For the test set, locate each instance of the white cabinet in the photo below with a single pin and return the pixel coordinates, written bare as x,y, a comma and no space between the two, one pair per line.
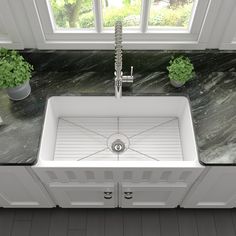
129,195
113,187
19,189
217,189
161,195
84,195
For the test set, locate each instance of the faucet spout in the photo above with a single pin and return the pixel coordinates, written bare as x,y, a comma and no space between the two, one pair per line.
118,87
119,78
118,59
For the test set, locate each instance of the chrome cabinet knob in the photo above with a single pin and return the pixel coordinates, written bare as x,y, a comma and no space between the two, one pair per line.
107,195
128,195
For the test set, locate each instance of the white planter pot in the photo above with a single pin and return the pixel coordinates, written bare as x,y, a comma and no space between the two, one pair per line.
19,92
176,83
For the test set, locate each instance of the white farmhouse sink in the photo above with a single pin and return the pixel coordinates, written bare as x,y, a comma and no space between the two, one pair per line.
109,132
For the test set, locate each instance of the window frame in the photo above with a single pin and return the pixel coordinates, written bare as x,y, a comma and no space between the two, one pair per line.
47,37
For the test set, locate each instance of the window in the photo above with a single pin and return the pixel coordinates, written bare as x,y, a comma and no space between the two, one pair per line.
72,14
172,13
127,11
89,24
80,14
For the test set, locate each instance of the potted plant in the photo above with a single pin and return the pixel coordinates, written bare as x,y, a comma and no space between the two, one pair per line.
15,74
180,71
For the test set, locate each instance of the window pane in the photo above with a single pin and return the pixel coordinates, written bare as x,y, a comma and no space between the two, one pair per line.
128,11
170,13
73,13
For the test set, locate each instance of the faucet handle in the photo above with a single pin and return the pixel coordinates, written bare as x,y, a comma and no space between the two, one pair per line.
129,78
131,71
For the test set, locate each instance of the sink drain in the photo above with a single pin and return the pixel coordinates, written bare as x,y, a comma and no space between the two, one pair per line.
118,143
118,146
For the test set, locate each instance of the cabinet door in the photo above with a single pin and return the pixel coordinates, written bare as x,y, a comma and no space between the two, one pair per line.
84,195
18,188
161,195
216,189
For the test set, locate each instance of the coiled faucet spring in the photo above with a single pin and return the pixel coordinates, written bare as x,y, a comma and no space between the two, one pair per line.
118,48
119,78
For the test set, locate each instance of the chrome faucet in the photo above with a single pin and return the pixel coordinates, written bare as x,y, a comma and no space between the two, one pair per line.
119,78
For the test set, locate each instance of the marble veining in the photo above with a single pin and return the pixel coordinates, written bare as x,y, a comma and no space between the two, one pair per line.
212,95
143,61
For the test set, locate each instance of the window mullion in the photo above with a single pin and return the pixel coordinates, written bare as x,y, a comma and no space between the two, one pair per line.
144,15
98,15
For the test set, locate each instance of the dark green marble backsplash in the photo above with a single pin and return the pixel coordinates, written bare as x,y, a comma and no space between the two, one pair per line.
143,61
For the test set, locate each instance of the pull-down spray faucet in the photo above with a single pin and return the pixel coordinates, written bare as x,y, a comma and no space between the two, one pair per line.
119,78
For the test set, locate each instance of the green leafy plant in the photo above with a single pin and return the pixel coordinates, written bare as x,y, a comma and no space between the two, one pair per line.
171,17
14,70
180,69
80,14
128,14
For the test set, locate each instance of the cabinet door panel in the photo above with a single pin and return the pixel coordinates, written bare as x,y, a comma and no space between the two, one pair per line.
217,189
84,195
152,195
19,189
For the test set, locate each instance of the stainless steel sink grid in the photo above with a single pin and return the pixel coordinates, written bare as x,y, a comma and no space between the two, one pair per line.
118,139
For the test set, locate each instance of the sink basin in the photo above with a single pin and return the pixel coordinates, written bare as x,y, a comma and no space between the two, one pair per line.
108,132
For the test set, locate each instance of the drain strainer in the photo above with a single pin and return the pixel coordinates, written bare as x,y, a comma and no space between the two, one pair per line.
118,146
118,143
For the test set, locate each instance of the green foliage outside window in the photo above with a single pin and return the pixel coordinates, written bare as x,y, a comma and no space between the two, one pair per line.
68,13
128,13
172,16
79,13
